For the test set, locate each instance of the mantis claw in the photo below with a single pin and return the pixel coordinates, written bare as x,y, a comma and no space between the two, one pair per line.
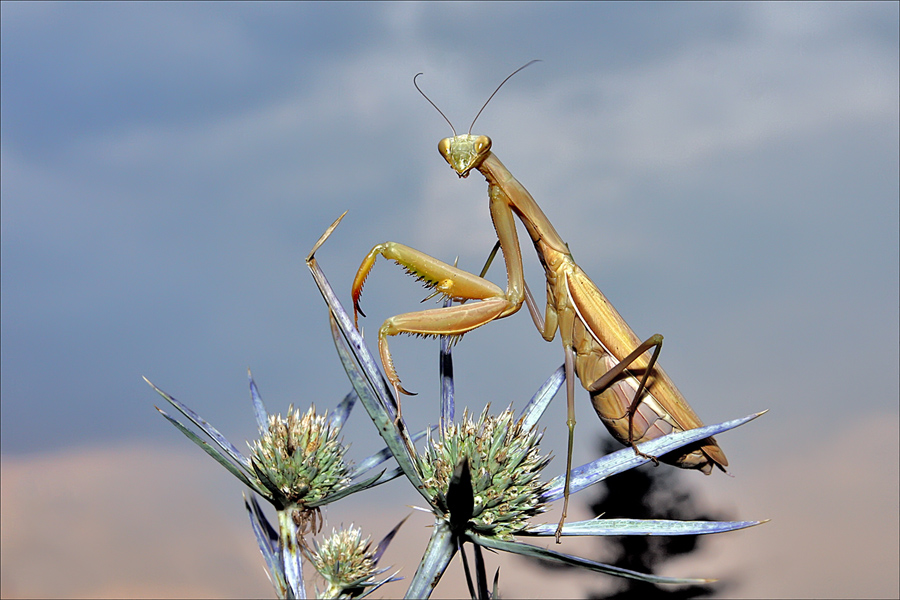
647,456
404,391
357,311
389,370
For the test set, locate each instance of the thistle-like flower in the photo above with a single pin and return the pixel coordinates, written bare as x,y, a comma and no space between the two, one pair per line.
348,563
301,457
504,462
344,559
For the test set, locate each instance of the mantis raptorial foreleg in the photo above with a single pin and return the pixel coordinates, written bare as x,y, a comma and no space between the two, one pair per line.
631,394
452,282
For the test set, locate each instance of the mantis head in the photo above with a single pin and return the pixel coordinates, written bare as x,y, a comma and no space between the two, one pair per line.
465,152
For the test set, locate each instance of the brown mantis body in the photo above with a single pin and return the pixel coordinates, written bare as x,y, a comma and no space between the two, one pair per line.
633,397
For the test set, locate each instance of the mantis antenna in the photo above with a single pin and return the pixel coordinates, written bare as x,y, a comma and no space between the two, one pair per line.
433,104
498,89
483,106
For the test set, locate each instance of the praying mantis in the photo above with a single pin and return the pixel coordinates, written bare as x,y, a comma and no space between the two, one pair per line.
633,397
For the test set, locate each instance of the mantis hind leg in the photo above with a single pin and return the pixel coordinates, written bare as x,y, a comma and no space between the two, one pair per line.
655,342
570,423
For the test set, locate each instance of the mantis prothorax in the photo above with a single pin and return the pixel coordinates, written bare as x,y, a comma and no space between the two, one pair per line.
633,396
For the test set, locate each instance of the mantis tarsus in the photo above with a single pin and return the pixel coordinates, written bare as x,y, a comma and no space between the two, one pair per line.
633,396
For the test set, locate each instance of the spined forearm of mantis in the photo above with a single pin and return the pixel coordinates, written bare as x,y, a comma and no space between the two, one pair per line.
631,394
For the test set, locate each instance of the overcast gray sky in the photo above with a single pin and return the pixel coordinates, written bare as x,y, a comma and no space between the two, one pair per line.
726,173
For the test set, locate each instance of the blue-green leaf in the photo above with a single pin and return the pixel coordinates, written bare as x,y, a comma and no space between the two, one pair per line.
267,539
541,399
378,479
340,414
440,550
382,455
259,409
576,561
208,429
625,459
639,527
218,456
399,444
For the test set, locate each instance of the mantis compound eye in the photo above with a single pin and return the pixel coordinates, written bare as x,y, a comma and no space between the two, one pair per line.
482,144
444,147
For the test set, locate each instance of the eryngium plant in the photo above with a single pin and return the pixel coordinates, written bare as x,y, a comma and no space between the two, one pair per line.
480,481
298,466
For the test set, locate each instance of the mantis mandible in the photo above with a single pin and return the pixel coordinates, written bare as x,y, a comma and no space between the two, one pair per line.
633,396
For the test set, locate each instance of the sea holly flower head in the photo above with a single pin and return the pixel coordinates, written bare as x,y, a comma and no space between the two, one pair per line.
504,462
347,562
301,457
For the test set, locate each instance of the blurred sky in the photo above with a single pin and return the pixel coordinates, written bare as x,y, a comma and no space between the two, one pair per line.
726,173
